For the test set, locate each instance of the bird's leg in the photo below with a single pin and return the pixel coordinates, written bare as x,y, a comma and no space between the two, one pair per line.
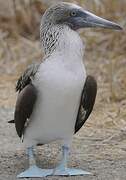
34,170
31,156
63,170
63,164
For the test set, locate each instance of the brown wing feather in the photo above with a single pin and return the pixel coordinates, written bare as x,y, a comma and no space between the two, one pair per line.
26,77
26,89
87,102
24,107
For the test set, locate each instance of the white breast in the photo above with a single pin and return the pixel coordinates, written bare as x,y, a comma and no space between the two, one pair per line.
59,82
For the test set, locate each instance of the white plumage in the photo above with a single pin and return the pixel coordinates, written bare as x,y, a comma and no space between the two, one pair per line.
59,82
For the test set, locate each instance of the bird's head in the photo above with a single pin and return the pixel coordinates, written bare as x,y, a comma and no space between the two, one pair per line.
76,17
67,16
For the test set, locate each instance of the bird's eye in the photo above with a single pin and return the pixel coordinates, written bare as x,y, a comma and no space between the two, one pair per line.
73,13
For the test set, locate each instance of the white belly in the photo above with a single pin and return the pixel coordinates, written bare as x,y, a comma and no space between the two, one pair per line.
55,112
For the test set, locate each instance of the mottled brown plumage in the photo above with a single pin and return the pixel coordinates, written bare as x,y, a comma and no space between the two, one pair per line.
26,77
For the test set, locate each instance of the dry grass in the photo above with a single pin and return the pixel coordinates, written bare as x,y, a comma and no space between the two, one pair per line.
24,21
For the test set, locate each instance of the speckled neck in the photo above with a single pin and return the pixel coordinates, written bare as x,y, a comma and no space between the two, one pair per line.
49,36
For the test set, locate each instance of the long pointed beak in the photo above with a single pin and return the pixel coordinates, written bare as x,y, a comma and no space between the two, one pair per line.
91,20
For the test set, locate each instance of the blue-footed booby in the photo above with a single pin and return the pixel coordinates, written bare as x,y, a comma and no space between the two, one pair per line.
56,96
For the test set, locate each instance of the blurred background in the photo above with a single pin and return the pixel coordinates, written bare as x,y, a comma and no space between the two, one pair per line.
100,146
105,56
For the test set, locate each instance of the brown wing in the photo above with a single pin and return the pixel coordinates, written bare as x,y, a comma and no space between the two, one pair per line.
24,107
26,77
26,98
87,102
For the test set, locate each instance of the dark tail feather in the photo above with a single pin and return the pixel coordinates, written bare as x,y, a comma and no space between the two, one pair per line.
12,121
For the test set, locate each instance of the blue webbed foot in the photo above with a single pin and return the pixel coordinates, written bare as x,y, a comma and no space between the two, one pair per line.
63,170
69,172
35,171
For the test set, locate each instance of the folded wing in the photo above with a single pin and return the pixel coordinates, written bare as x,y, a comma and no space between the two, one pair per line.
26,99
87,102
